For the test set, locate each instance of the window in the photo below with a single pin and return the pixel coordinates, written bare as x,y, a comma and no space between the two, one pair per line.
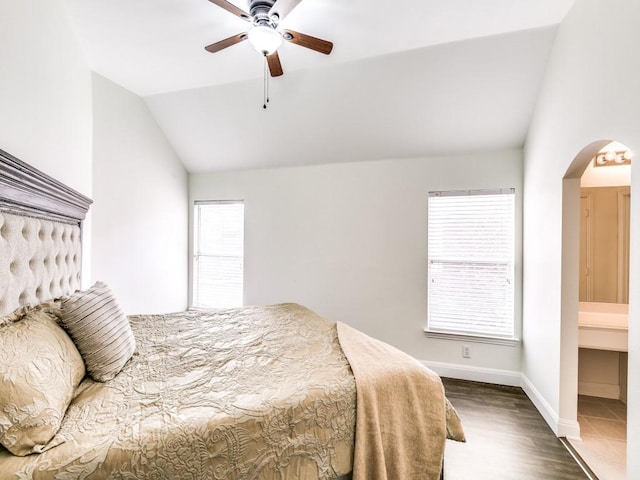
471,263
218,254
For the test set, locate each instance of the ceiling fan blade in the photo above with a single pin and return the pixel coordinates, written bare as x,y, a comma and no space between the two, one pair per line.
307,41
275,67
231,8
227,42
282,8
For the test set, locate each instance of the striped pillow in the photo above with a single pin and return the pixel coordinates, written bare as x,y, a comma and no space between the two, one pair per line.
99,329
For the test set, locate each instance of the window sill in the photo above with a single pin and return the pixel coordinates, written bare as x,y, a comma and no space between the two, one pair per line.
196,308
462,337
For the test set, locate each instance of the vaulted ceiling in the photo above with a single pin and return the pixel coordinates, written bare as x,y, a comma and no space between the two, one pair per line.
405,79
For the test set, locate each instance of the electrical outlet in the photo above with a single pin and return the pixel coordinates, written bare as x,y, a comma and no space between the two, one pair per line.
466,351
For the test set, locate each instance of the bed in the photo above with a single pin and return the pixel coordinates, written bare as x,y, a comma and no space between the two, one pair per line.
264,392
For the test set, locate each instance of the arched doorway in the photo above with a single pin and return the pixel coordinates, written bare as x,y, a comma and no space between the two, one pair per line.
595,312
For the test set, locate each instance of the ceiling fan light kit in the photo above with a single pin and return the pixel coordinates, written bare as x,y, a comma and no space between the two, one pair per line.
264,39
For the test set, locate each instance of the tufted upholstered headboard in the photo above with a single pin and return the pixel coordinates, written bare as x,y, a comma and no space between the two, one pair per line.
40,235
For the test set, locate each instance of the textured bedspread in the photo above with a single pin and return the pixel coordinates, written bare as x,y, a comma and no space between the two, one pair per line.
252,393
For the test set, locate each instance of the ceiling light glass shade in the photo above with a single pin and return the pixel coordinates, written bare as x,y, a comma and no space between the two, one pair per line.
264,39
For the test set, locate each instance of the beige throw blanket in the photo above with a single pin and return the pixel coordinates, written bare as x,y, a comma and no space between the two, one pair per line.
402,416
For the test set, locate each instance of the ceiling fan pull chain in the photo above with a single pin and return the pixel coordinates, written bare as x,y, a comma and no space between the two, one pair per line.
266,83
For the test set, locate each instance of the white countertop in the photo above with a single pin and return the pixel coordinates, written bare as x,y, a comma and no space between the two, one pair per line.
603,326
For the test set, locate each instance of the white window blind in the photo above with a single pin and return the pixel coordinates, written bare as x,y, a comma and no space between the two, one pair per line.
471,263
218,254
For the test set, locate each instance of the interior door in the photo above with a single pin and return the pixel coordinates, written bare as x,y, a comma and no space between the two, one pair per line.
586,284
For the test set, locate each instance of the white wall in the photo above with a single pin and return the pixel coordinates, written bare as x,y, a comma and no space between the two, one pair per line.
45,97
46,120
140,210
577,106
45,91
349,241
606,176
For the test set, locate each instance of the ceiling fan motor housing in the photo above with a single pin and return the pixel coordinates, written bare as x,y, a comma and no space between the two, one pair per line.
259,10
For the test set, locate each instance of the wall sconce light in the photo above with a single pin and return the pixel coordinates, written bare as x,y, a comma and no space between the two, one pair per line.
613,157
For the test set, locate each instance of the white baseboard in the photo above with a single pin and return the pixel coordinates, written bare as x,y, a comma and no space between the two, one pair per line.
599,390
568,429
475,374
560,427
548,413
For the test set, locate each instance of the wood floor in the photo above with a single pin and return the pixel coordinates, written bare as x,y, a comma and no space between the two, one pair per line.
507,438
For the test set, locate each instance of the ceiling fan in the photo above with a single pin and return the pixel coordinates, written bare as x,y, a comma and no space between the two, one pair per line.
264,35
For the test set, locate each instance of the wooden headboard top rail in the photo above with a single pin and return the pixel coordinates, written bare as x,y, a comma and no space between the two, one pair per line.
40,235
27,191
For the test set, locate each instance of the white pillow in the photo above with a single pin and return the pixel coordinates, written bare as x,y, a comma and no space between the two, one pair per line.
100,330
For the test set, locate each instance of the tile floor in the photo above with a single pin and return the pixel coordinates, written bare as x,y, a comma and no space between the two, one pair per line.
603,426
